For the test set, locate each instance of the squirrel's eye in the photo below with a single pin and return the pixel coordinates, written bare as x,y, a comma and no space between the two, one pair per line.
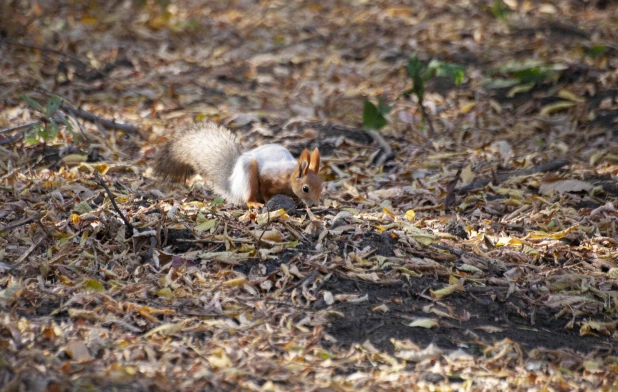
306,188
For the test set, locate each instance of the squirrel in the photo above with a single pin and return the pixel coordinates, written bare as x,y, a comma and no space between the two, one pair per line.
250,177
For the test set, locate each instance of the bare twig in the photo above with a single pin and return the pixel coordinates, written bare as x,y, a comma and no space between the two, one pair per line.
14,138
21,223
27,253
128,224
387,151
96,119
427,118
151,246
450,198
305,281
48,50
25,127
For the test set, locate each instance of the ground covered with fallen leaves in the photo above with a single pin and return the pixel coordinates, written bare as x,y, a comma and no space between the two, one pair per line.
482,256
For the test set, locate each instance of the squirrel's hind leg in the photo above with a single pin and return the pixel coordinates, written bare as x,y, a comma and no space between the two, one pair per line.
253,200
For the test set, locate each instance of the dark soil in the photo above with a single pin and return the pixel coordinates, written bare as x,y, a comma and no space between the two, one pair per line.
405,303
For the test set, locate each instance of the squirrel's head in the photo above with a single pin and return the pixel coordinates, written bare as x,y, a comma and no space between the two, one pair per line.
305,181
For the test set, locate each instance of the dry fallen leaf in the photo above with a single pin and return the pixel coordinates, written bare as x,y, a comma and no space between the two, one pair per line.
565,186
78,351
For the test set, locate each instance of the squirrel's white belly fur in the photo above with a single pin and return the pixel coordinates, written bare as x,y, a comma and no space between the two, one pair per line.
272,159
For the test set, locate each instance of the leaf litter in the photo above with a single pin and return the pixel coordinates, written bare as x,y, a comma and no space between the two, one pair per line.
481,257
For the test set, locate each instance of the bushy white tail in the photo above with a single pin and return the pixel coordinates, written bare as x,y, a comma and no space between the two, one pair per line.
204,148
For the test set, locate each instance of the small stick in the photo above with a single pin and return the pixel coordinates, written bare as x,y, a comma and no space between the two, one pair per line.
427,118
14,138
387,151
49,50
113,200
21,223
94,118
17,128
30,250
450,198
148,255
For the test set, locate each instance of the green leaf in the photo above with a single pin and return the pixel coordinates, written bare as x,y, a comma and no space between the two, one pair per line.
32,136
82,208
372,118
382,108
52,129
417,71
33,103
595,51
68,126
455,72
500,10
93,285
501,83
535,75
53,105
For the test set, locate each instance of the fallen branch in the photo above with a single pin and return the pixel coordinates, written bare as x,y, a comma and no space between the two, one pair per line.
25,127
96,119
27,253
546,167
21,223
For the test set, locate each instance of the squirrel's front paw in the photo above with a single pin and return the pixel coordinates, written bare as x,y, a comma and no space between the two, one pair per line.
255,204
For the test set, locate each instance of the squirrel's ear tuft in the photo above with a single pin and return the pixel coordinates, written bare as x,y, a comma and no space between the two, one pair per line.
314,163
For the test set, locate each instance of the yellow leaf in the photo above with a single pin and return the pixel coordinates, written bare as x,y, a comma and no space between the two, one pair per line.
410,214
569,96
556,236
389,212
89,20
465,107
236,282
93,285
521,88
448,290
165,292
74,219
555,107
508,241
207,225
219,359
73,159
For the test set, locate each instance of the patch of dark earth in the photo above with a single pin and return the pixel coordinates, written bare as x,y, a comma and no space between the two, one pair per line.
361,322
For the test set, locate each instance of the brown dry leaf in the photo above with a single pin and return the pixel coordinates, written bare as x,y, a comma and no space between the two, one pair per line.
78,351
194,301
565,186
